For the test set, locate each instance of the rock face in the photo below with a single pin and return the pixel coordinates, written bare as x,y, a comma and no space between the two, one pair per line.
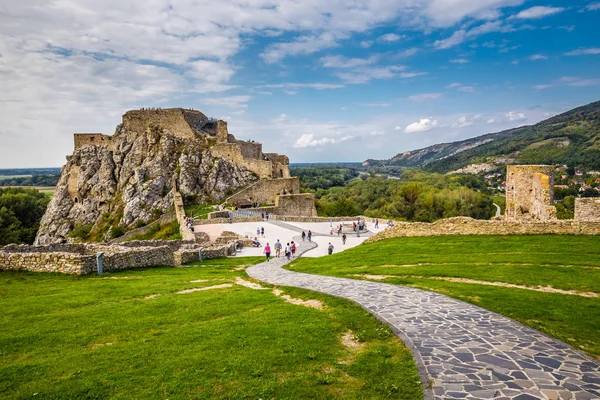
117,181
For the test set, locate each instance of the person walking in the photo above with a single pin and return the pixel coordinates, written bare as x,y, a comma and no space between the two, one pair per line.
268,252
330,249
288,252
344,238
257,232
376,223
262,231
303,236
309,235
277,248
293,249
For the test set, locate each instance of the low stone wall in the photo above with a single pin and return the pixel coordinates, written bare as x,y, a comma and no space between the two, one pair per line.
469,226
37,261
139,257
587,209
265,191
218,214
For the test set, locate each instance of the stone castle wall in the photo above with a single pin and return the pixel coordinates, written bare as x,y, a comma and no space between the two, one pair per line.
92,139
587,209
232,153
530,193
469,226
265,191
178,121
302,204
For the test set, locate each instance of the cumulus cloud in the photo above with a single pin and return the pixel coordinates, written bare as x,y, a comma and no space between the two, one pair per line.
538,12
308,140
515,116
582,51
389,38
425,124
462,122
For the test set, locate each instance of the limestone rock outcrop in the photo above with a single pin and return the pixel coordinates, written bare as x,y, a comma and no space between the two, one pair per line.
126,179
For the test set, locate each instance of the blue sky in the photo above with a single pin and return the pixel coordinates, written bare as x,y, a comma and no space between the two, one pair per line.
341,81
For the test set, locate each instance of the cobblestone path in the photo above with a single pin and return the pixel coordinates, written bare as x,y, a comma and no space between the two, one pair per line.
462,351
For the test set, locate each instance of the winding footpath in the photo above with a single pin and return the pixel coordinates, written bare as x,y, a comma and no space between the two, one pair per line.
462,351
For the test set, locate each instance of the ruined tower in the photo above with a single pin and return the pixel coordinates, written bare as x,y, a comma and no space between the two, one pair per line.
530,193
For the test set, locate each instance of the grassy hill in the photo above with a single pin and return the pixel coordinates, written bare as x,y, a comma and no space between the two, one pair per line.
571,138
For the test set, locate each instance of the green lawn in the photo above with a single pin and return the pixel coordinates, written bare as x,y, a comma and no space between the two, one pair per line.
562,262
199,211
91,337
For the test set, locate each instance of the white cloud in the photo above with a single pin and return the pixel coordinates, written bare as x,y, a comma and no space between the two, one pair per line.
515,116
366,74
457,38
579,82
228,101
538,12
447,12
536,57
397,128
365,44
389,38
376,133
460,61
492,121
378,104
425,96
345,62
461,87
425,124
407,53
308,140
302,45
593,6
582,51
293,85
462,122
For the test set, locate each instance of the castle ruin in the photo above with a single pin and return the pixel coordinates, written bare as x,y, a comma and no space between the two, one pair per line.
530,193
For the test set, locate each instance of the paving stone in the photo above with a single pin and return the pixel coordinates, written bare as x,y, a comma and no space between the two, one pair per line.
466,351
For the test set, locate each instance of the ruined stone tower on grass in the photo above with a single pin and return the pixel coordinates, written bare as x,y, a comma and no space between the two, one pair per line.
530,193
119,182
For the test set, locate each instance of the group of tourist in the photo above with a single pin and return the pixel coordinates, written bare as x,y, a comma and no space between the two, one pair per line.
289,251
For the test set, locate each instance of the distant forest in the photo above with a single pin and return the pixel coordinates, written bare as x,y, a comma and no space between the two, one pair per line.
20,213
29,176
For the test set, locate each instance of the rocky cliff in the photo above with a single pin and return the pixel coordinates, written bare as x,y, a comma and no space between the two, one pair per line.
125,180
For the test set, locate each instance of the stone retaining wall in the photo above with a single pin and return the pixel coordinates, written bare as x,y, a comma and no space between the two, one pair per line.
174,245
164,219
469,226
80,259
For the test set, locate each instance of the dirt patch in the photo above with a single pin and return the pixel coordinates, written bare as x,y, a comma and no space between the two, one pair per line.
225,285
251,285
152,296
98,345
350,341
306,303
374,277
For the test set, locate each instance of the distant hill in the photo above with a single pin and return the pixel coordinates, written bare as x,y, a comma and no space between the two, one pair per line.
571,138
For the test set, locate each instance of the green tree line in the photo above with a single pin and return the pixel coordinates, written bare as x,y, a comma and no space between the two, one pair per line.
20,213
417,196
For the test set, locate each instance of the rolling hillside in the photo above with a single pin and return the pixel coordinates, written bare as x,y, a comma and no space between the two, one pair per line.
571,138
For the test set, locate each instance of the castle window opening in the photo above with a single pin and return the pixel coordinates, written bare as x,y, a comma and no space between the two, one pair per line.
76,200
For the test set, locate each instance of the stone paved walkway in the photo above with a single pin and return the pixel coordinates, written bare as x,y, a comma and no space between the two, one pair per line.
462,350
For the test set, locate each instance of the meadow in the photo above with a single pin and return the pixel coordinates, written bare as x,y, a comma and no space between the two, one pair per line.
549,282
132,334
